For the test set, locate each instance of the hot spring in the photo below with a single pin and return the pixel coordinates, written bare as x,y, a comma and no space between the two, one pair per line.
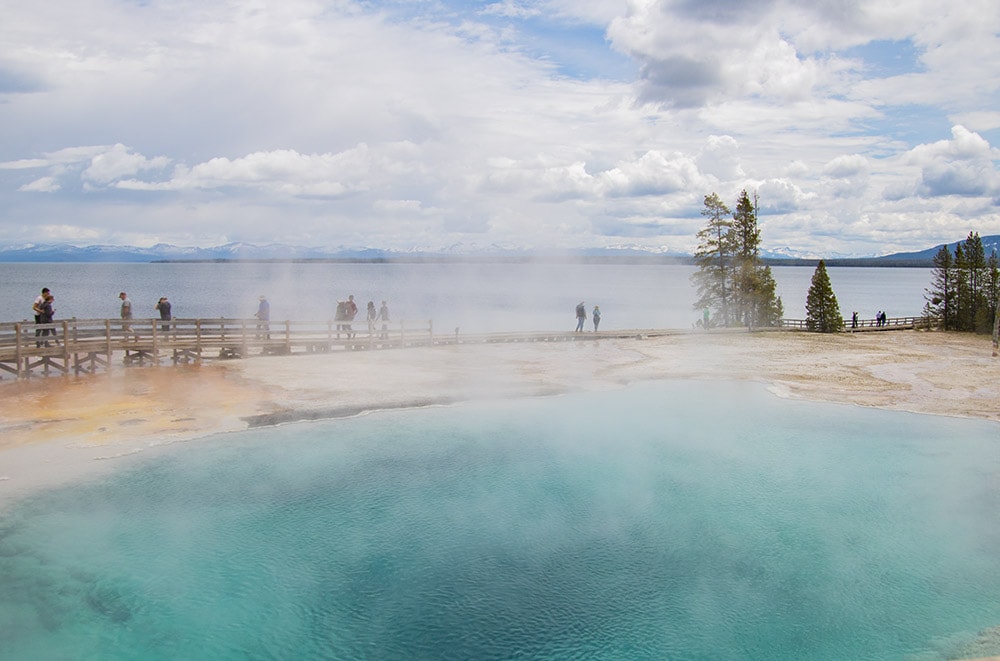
662,521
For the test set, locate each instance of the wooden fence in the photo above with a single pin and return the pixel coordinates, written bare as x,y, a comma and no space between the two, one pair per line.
891,323
88,345
82,346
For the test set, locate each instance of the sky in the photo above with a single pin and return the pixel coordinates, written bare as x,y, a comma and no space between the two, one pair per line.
863,127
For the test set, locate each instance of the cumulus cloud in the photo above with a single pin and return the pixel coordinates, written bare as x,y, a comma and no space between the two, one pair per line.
964,165
653,173
119,162
42,185
432,121
720,158
846,166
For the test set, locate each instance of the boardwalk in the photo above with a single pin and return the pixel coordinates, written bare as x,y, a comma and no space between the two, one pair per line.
84,346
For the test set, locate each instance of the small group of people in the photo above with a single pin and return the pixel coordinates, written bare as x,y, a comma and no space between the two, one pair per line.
44,311
880,319
125,311
348,310
581,316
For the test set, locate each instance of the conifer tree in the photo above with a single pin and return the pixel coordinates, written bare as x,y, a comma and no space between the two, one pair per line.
822,310
731,278
980,313
941,296
993,281
965,287
714,259
754,286
960,277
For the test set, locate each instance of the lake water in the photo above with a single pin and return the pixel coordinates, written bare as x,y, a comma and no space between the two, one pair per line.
472,297
637,524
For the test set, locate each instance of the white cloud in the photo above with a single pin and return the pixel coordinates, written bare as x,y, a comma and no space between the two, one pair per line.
720,158
42,185
511,9
846,166
289,122
119,162
964,165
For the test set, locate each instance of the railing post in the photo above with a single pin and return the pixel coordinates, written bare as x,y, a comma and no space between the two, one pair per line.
65,347
17,348
244,349
288,336
156,346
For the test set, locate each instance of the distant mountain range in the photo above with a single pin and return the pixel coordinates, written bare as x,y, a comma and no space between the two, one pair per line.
460,252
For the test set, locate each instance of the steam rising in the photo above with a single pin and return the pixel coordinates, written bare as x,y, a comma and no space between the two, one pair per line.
643,522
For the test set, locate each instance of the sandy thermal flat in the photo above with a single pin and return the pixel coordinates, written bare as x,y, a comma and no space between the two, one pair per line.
56,427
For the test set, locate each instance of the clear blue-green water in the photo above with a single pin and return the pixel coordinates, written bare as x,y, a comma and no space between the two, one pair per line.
675,520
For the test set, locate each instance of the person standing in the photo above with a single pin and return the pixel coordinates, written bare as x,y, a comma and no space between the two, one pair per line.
597,317
163,305
383,316
36,309
351,311
47,314
581,316
263,315
372,317
126,315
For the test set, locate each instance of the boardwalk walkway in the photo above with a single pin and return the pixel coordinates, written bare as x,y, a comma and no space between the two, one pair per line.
84,346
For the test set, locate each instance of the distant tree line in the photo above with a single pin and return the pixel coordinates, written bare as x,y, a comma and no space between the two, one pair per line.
965,287
734,286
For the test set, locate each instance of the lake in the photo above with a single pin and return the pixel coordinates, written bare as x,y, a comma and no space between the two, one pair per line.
471,297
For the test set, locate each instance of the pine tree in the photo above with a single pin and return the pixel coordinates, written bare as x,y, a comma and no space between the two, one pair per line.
980,313
960,278
993,281
941,296
714,259
965,288
755,290
731,279
822,311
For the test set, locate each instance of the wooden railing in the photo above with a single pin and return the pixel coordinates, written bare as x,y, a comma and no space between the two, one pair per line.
891,323
89,345
86,345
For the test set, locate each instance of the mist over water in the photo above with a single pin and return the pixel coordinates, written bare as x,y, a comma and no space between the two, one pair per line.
473,297
668,520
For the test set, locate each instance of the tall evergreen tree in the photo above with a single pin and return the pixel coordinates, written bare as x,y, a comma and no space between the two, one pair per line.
822,310
993,282
714,259
980,316
960,277
754,286
731,279
766,308
993,266
965,288
746,234
941,296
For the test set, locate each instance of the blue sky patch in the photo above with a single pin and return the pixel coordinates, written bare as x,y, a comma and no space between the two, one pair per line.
887,58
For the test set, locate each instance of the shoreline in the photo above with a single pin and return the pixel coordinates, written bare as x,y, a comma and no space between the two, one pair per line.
58,429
